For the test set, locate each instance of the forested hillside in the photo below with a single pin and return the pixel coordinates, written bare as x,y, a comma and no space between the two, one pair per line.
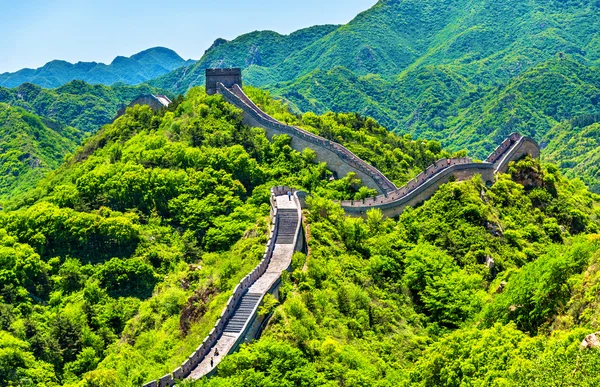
39,127
118,264
465,72
30,146
77,104
136,69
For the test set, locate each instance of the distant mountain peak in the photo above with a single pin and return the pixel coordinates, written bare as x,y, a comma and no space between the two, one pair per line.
218,42
138,68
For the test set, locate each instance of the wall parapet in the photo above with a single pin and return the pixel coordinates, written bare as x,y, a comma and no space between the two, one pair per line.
237,97
203,349
520,145
510,149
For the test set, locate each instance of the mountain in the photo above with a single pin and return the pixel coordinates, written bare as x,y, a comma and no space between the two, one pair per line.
465,72
119,263
77,104
257,51
573,145
30,146
136,69
481,40
39,127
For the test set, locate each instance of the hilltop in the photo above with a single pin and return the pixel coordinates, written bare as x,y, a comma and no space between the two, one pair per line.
121,261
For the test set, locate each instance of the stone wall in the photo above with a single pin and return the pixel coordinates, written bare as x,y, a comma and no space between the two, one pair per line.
251,330
155,103
503,147
415,193
204,349
253,327
339,159
392,200
227,77
428,182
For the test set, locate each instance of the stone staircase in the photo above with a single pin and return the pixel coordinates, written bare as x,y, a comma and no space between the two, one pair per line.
239,322
288,221
242,313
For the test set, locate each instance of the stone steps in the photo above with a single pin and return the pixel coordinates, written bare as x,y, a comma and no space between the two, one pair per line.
242,313
286,229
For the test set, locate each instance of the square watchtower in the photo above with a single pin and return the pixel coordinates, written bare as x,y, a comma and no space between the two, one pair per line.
227,77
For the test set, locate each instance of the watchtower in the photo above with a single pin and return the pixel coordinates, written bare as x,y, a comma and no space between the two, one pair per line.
227,77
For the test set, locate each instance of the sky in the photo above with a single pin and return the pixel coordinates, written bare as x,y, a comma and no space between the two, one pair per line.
34,32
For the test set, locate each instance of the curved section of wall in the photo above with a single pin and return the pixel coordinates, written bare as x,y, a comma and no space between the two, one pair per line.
338,158
524,146
428,182
503,147
417,191
392,200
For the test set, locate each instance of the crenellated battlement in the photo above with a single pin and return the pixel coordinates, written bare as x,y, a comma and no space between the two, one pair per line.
392,200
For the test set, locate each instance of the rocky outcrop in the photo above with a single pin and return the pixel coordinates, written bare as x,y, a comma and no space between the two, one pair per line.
591,341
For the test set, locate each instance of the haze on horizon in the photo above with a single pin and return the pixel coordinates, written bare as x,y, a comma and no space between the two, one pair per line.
34,32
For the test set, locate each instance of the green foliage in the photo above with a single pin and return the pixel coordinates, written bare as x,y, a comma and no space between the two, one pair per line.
30,147
116,266
75,104
268,363
464,73
538,291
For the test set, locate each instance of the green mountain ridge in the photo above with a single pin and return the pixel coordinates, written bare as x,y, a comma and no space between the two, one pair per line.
77,104
67,114
29,148
136,69
257,50
465,72
118,264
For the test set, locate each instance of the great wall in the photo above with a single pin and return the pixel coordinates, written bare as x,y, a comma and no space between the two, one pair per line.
240,322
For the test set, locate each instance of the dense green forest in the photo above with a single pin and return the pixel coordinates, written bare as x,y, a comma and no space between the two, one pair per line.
136,69
466,73
76,104
30,146
40,127
117,265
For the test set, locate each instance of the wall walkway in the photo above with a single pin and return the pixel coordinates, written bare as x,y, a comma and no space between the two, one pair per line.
238,321
392,200
235,325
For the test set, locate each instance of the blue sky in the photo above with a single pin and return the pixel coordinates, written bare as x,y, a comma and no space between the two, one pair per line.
33,32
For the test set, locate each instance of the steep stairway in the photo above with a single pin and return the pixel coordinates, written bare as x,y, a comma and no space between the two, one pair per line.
237,322
288,221
242,313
